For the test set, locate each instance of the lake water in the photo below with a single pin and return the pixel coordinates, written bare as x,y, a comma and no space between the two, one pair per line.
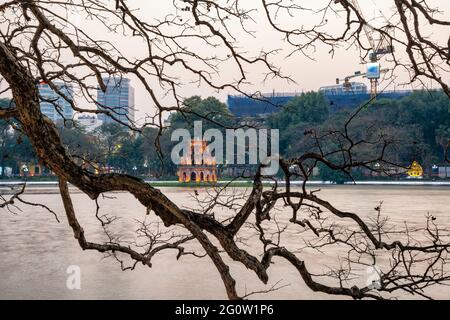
35,250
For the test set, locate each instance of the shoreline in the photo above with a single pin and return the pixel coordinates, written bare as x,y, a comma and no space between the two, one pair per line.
51,187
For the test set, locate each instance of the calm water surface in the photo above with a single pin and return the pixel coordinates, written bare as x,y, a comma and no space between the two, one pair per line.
35,250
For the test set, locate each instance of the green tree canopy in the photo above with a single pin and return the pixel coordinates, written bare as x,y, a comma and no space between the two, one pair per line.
310,107
210,111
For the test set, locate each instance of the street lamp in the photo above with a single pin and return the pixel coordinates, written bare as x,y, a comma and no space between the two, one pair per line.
145,167
377,167
25,170
435,170
134,170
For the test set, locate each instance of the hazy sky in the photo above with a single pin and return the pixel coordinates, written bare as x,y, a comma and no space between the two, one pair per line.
308,74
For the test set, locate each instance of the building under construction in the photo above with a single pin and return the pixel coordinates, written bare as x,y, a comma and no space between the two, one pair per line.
336,95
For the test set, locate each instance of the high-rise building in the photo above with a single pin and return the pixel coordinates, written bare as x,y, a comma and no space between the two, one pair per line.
118,98
52,104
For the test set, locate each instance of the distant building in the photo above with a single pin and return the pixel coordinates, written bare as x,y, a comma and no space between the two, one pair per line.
53,105
89,122
336,95
338,89
243,106
415,170
118,98
32,170
8,171
444,172
340,97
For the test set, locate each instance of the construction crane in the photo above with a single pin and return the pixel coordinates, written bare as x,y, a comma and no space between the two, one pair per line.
346,80
379,47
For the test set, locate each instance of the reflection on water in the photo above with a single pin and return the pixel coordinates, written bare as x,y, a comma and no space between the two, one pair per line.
35,251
